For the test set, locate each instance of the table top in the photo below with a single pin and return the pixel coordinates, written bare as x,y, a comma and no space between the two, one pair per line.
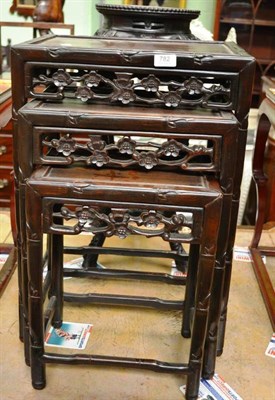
226,56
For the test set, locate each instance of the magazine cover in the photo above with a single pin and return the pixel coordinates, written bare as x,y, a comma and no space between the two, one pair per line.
71,336
270,351
215,389
77,264
243,254
3,259
176,272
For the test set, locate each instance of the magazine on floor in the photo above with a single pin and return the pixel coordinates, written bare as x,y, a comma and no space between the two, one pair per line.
70,335
243,254
215,389
270,351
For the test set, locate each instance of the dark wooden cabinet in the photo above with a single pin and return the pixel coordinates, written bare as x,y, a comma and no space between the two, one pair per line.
254,21
6,162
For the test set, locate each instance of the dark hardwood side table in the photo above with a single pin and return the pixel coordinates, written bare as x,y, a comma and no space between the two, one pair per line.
266,121
198,75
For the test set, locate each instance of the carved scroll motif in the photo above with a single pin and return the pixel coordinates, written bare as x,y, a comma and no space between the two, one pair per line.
126,88
124,222
126,151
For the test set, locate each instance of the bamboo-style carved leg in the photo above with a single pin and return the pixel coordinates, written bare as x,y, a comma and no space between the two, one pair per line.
18,239
18,244
181,265
223,318
20,299
35,288
203,295
25,312
190,290
217,292
56,273
214,320
19,179
56,288
23,280
90,260
242,134
227,279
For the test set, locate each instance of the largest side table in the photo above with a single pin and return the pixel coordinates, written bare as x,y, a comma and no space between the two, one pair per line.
211,75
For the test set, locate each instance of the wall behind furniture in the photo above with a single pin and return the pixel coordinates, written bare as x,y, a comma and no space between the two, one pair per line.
207,9
83,14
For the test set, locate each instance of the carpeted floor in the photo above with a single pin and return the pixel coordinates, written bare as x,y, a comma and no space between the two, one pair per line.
143,333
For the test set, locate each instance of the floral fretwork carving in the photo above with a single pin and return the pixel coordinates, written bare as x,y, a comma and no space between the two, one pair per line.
61,78
148,160
172,99
124,222
124,152
65,145
150,219
119,224
171,148
99,158
84,93
127,88
96,144
93,79
150,83
194,86
126,145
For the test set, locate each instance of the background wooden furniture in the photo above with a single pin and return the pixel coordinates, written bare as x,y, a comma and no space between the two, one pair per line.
23,8
268,91
254,21
46,15
266,120
43,27
46,10
6,134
